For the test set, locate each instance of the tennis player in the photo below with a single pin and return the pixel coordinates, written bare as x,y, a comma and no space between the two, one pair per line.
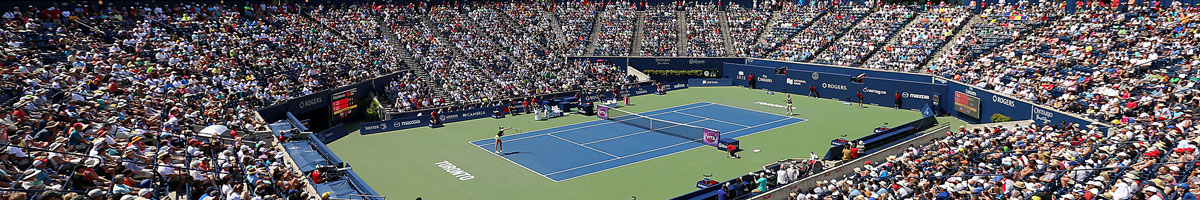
499,146
789,104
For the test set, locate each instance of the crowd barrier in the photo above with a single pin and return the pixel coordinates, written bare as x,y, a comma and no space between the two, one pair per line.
880,140
333,133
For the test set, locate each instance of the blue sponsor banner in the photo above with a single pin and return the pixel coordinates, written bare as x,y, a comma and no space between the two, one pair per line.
841,70
657,63
1043,115
875,90
696,82
470,114
368,128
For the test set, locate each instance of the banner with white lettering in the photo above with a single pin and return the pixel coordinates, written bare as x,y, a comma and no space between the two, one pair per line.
367,128
709,82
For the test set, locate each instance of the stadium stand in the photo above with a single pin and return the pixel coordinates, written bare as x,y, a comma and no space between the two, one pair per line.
616,30
661,33
745,26
825,30
704,34
109,101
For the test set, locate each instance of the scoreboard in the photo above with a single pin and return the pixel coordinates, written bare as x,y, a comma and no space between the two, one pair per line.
966,104
343,103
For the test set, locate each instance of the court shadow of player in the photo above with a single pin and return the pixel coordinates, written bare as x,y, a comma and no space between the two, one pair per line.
515,152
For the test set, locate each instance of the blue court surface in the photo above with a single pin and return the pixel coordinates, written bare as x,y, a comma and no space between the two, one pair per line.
575,150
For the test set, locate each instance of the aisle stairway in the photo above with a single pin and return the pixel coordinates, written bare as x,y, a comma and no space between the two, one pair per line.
792,32
891,39
637,33
556,28
412,63
759,37
723,20
958,32
314,20
429,27
681,45
857,23
595,35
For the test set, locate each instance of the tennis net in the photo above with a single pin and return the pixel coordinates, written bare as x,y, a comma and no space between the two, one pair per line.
680,130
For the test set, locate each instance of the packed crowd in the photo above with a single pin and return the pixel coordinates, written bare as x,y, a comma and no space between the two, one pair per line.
994,26
874,30
792,19
408,92
704,35
745,25
104,101
616,30
914,45
576,19
1153,160
108,100
806,43
661,33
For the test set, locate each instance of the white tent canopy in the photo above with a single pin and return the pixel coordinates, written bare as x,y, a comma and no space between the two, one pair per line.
214,130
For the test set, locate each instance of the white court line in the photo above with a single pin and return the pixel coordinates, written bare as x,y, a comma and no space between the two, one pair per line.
513,162
758,111
722,121
652,150
593,149
577,128
640,132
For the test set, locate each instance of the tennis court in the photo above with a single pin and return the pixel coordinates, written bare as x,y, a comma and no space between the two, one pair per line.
571,151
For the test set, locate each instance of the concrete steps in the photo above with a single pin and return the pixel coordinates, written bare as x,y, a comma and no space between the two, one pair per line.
595,35
964,28
640,25
556,28
890,41
681,45
857,23
723,20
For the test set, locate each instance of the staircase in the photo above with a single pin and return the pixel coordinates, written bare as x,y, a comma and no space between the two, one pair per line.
359,44
556,28
723,20
681,45
958,32
758,37
890,41
857,23
502,50
418,68
942,49
793,34
640,25
595,35
429,26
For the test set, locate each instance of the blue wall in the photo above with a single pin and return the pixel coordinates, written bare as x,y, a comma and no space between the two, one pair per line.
880,87
875,90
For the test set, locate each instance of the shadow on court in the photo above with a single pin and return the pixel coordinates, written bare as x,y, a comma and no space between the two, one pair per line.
517,152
